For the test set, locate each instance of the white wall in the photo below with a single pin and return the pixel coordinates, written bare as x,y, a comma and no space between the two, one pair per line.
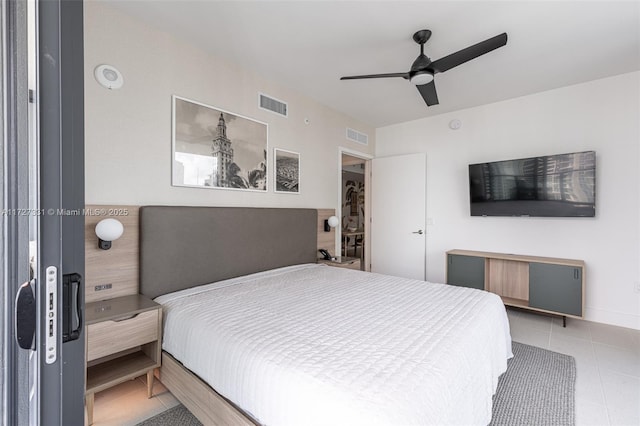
128,131
601,115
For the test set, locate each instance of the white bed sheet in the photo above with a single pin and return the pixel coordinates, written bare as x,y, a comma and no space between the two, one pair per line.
318,345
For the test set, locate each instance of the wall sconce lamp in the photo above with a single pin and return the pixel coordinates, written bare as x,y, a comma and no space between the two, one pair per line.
332,222
108,230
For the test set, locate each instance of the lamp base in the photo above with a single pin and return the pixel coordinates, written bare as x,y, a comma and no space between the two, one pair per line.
104,245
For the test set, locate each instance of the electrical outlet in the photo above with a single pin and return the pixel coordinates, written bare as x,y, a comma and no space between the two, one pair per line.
102,287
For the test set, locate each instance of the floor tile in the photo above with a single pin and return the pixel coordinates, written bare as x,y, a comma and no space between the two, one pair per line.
590,414
624,416
621,391
511,312
575,328
529,336
580,349
615,336
589,385
617,359
538,322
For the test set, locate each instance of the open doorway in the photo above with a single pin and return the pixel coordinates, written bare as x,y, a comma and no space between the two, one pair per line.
354,207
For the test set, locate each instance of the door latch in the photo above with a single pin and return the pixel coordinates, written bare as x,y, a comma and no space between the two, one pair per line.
51,320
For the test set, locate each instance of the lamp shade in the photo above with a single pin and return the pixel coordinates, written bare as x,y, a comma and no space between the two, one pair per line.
333,221
109,229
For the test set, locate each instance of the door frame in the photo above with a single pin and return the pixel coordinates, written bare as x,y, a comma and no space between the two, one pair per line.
367,202
60,101
34,391
14,249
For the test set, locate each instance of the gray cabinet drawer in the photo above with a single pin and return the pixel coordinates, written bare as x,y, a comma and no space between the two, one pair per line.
465,271
555,288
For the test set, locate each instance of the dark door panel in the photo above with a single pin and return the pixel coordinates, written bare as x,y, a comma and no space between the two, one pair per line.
61,113
465,271
555,288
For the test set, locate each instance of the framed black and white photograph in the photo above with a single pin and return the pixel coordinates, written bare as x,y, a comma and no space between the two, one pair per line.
287,171
213,148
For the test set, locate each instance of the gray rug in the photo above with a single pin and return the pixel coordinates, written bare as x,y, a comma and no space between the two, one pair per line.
176,416
538,388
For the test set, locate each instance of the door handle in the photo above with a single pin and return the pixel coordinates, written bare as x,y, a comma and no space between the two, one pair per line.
72,307
25,312
419,231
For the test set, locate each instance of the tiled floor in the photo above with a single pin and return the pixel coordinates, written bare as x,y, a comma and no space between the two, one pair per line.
607,385
607,361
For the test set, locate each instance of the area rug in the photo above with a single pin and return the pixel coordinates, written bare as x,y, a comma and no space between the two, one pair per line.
176,416
538,388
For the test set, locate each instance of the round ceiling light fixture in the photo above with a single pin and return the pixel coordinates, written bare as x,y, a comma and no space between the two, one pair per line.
108,76
421,77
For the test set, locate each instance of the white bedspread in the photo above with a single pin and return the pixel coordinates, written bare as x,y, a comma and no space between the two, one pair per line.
318,345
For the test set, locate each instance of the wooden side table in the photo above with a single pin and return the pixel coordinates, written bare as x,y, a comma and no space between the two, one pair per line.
123,341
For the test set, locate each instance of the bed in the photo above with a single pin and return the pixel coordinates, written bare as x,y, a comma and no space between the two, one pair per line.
284,341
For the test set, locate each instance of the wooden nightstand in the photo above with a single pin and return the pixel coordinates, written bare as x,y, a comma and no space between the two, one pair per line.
343,262
123,342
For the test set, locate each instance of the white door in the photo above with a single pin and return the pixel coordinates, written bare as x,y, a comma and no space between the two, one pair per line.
398,213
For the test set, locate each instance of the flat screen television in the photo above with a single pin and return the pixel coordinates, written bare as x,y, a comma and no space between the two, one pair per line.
562,185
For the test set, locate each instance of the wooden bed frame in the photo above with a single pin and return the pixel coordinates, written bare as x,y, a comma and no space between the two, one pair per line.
205,403
159,253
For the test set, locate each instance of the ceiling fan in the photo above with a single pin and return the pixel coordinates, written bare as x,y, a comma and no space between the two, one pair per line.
423,69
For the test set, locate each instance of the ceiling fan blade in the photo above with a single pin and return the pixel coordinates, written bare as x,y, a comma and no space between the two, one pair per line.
428,92
404,75
471,52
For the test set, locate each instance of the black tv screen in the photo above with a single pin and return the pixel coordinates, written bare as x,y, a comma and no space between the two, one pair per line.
562,185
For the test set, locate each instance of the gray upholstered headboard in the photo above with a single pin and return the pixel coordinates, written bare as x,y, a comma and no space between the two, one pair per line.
181,247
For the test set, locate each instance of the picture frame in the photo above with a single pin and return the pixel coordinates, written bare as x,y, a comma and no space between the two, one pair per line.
286,166
213,148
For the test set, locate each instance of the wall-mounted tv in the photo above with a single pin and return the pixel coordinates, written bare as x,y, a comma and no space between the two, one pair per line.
562,185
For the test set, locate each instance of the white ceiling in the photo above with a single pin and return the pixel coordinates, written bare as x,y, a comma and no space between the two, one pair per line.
309,45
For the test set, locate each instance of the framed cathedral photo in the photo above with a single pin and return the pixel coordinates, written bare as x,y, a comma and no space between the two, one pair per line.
217,149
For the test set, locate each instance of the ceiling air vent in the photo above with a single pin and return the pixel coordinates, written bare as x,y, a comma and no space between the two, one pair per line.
356,136
270,104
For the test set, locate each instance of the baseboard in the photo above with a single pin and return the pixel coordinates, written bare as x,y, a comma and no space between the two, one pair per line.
619,319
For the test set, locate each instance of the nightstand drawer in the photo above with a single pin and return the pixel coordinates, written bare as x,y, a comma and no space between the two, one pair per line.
108,337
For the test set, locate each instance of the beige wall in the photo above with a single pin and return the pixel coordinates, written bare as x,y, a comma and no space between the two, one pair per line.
128,131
